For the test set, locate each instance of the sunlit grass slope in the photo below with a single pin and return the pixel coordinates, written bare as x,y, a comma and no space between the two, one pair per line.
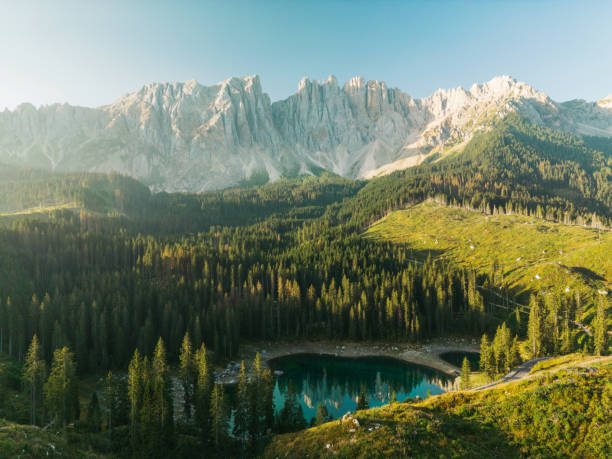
563,413
535,254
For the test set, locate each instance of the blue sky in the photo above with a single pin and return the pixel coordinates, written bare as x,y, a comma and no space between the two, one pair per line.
89,53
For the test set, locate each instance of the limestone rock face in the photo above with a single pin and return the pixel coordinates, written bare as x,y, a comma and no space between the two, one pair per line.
189,137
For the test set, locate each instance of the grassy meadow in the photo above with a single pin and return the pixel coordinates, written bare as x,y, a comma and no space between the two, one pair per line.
535,254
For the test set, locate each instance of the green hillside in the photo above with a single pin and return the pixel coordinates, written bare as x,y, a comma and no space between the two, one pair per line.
516,166
534,254
28,191
30,441
562,413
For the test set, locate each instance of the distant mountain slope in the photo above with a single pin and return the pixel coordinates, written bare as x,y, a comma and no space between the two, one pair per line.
26,192
189,137
515,167
32,189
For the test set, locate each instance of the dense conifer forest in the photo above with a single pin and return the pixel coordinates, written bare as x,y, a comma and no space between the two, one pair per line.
122,281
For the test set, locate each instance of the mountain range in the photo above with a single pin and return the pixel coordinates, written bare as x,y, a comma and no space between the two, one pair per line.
190,137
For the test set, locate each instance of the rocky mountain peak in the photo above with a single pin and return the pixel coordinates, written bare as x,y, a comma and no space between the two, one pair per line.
356,82
606,102
187,136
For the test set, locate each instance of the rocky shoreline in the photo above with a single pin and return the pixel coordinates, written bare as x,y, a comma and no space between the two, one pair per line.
426,354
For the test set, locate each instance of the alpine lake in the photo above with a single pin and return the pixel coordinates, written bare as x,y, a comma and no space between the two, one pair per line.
336,382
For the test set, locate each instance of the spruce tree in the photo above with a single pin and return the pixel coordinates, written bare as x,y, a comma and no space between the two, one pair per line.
534,328
600,336
34,372
515,353
268,399
242,415
187,374
111,402
162,393
501,348
257,399
291,417
94,413
362,401
218,415
203,390
465,374
322,416
486,358
135,393
61,391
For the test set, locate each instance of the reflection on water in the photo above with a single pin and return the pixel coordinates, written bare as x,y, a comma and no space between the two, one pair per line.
336,382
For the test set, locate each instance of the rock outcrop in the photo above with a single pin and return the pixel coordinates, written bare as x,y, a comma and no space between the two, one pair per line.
189,137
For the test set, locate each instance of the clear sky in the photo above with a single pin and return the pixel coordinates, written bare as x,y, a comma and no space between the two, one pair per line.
89,53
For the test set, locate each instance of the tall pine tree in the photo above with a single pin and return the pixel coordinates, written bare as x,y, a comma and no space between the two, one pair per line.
61,390
34,372
218,415
601,327
187,374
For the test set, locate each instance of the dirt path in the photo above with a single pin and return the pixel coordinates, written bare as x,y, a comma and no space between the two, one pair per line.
516,374
523,371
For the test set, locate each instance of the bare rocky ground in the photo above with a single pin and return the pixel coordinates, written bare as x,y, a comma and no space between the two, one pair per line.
426,353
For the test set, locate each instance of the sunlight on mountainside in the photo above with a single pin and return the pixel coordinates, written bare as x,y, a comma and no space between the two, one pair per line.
534,254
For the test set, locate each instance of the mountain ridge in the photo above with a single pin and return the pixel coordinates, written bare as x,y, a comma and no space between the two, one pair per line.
190,137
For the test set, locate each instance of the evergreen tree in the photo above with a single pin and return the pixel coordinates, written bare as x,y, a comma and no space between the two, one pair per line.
567,338
534,328
465,374
61,391
203,390
34,372
161,385
600,336
486,358
257,402
94,413
362,401
187,374
135,393
110,401
242,415
515,353
501,348
117,403
322,416
268,399
291,417
218,415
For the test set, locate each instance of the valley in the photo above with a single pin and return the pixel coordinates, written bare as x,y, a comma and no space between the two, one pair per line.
221,236
138,321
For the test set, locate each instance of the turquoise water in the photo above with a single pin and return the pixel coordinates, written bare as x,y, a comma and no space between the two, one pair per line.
456,358
337,381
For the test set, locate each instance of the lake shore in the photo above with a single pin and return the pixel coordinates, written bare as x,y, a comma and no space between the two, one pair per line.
426,353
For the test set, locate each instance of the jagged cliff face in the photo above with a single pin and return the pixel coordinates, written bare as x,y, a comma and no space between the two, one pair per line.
185,136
